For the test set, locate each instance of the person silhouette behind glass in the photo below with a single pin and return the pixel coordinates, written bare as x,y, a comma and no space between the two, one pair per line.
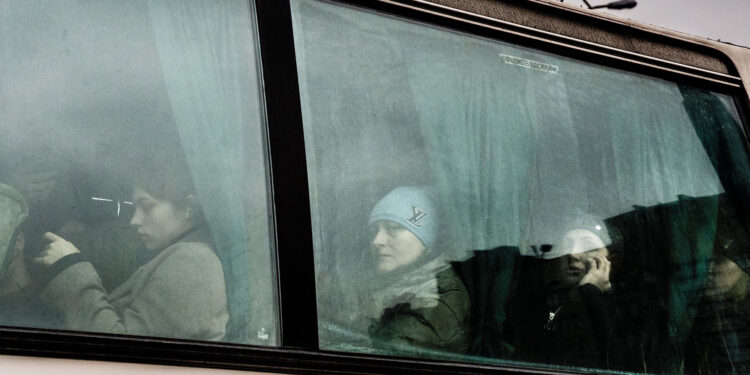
178,291
419,302
19,305
564,319
720,339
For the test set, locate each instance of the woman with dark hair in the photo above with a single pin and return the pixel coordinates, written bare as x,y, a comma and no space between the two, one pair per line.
179,291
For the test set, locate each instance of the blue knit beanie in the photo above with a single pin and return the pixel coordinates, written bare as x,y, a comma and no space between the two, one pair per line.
413,208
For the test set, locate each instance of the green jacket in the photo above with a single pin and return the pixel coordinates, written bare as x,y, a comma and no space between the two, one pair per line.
422,325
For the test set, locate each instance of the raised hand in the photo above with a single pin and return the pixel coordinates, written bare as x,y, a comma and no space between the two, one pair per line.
57,247
598,268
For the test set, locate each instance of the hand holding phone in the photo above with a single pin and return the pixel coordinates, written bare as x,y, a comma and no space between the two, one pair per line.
598,268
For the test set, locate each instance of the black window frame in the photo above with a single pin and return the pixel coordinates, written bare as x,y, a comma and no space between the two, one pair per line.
298,351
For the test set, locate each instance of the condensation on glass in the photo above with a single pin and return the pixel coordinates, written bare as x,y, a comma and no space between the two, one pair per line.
477,200
133,183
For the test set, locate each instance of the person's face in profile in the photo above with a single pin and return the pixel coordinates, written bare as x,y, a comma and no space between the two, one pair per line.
724,276
394,246
579,245
159,222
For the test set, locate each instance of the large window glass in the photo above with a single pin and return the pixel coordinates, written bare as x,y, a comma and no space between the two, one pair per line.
133,179
477,200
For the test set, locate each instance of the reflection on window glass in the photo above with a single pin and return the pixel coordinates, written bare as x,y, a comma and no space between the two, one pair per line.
476,200
132,177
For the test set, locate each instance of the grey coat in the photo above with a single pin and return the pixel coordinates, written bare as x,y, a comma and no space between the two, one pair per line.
180,293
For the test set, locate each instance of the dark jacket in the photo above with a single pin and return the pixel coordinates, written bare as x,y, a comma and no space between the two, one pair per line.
421,325
720,340
574,333
575,330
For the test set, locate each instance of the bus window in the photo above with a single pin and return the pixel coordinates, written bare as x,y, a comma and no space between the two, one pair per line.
478,200
132,137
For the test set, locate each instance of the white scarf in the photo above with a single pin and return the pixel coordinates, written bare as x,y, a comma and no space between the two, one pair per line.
417,287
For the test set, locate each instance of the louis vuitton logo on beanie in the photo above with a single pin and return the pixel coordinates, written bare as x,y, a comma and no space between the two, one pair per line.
412,207
416,216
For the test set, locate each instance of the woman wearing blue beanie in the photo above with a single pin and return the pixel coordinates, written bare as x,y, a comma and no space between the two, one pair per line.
420,306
